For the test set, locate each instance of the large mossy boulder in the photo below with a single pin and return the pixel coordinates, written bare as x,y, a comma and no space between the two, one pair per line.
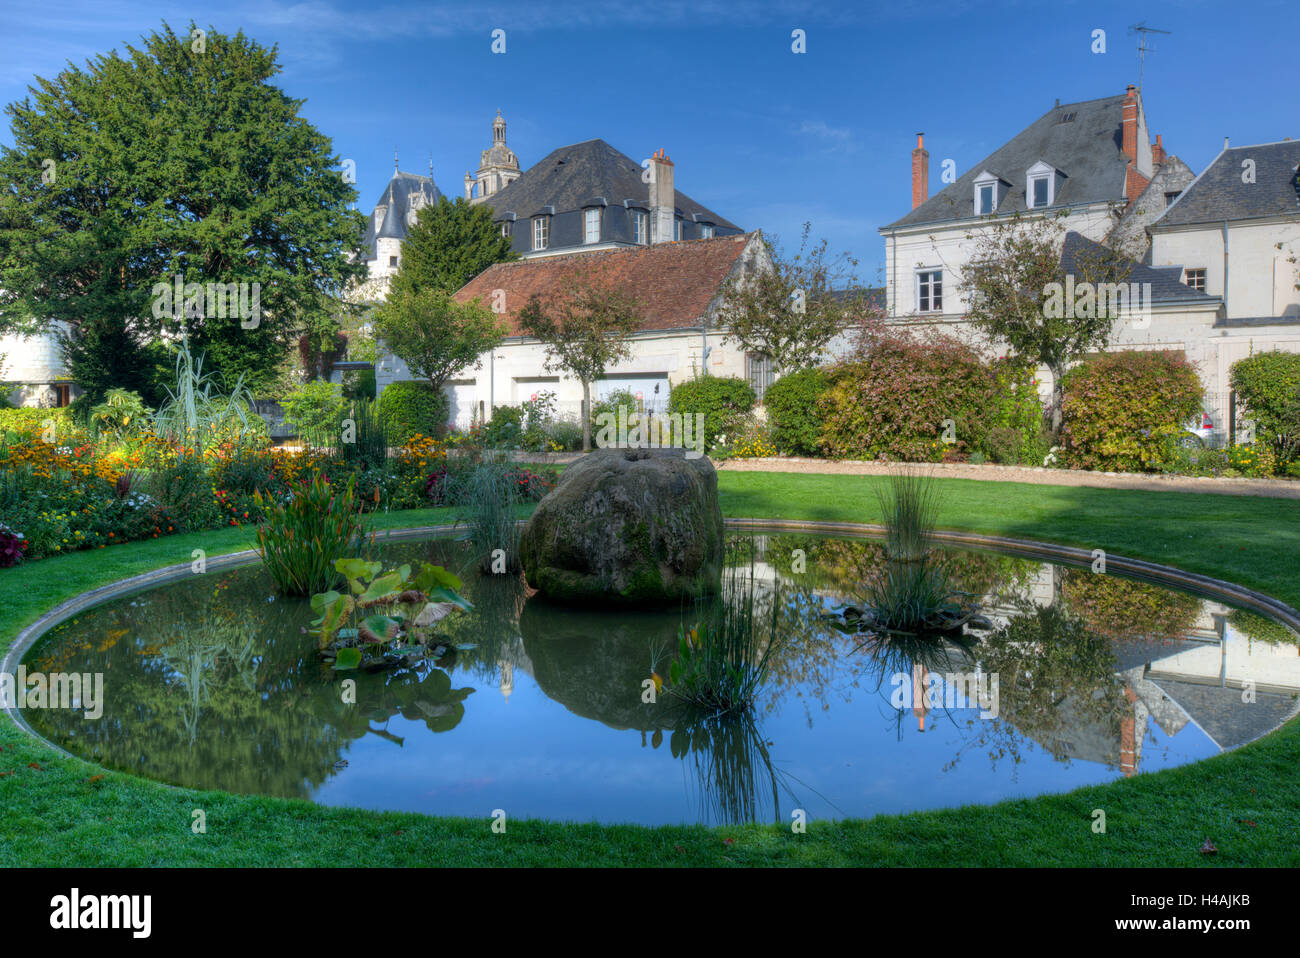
633,527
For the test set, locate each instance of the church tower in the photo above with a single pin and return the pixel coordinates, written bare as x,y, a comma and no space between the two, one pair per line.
498,166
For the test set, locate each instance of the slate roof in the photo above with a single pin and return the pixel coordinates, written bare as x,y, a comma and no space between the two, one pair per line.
1167,284
675,283
397,197
1087,150
1219,194
572,177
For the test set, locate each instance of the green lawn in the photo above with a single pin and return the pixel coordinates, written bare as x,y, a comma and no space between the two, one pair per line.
63,811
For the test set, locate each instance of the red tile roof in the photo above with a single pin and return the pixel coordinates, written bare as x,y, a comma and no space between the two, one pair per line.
674,282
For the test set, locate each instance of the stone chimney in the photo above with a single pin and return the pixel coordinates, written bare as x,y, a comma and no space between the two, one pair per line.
1130,128
1158,155
920,172
663,199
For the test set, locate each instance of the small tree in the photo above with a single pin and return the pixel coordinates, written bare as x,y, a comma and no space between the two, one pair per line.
434,334
788,310
1010,284
450,244
585,332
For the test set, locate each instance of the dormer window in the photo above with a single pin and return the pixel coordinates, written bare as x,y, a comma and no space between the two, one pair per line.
677,229
706,231
541,231
640,227
505,227
591,225
990,190
1040,186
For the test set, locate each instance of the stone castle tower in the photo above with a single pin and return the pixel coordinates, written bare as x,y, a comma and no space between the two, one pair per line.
498,166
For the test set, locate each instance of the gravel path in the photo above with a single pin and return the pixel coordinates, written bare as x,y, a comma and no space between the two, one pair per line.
1267,488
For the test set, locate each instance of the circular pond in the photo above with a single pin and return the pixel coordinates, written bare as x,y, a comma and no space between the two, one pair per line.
1073,678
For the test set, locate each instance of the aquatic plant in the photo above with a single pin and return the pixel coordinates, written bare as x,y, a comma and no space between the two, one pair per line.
384,619
301,537
492,495
723,658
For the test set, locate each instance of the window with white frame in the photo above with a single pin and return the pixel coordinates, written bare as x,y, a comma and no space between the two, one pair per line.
984,193
1196,278
929,291
677,229
706,231
1040,186
541,231
640,227
505,227
591,226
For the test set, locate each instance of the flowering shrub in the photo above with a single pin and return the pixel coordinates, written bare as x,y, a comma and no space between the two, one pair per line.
1120,408
12,546
892,402
1255,461
752,448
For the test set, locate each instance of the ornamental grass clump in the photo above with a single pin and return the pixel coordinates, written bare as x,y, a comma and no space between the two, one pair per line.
301,538
908,505
723,659
492,495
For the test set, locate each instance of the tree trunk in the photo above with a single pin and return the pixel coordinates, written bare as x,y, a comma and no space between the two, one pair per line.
1058,399
586,416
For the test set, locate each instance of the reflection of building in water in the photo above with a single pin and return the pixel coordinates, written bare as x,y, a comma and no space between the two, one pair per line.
507,679
920,707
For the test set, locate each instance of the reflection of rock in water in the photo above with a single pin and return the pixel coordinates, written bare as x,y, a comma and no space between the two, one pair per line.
593,662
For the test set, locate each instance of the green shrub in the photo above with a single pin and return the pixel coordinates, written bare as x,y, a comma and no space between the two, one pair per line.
505,429
121,413
793,421
1120,408
359,384
725,402
1005,445
566,434
610,404
315,409
1268,386
893,402
411,407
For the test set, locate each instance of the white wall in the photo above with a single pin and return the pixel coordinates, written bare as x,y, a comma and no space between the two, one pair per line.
1261,282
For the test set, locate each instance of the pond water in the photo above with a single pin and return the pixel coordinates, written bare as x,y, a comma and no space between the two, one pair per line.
210,682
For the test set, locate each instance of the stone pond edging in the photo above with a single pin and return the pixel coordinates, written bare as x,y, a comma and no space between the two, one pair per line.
1206,586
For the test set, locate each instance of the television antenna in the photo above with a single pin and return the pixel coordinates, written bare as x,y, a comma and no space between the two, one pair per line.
1145,45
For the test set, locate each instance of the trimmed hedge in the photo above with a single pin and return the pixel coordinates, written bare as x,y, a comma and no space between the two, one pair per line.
791,402
725,402
892,404
414,407
1122,410
1268,386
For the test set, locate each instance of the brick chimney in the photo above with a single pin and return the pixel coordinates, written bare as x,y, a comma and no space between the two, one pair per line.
663,199
1158,155
1130,146
920,172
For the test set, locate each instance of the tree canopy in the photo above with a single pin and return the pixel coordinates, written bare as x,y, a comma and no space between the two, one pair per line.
174,162
586,331
450,243
435,335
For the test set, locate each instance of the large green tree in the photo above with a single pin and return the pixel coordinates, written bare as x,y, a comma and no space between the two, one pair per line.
586,330
177,159
450,243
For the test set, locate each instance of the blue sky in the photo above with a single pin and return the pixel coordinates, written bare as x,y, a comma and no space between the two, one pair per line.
764,136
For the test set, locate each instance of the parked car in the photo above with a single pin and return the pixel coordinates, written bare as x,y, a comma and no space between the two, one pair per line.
1197,432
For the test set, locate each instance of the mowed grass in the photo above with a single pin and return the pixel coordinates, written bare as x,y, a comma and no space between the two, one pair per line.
63,811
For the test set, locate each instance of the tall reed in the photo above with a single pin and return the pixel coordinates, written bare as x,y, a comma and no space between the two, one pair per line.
491,498
909,506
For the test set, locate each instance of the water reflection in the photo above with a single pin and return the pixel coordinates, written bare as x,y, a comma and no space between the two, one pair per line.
210,682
